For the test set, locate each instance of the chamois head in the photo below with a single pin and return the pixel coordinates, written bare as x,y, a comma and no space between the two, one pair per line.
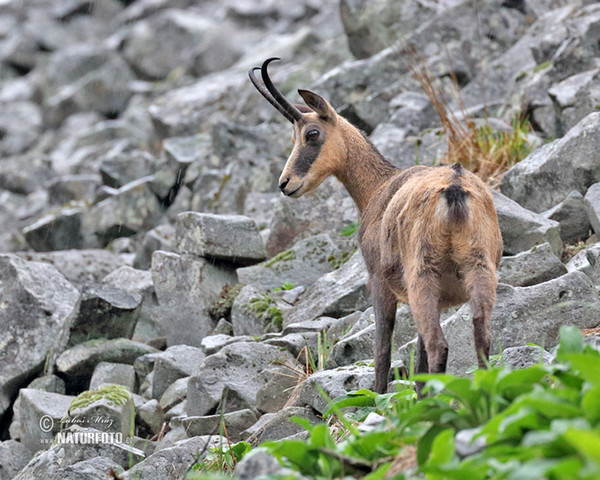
318,146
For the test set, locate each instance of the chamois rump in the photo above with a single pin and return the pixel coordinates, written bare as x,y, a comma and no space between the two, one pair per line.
429,235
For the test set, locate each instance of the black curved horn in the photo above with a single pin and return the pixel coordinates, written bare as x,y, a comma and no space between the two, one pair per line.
265,93
274,96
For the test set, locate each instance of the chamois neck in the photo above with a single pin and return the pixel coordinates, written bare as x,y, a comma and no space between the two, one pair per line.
365,169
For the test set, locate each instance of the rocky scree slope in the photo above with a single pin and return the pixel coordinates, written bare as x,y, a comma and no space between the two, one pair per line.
144,244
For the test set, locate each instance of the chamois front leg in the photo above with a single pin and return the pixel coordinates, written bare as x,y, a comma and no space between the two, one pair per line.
385,304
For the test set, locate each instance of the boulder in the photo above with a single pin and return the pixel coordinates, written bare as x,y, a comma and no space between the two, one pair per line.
334,383
57,231
185,287
303,264
572,216
105,312
537,265
174,461
40,416
108,373
592,206
230,375
525,356
80,267
158,238
523,229
131,209
77,363
550,173
235,423
75,456
255,313
279,426
68,188
13,458
230,238
39,306
20,126
336,294
174,363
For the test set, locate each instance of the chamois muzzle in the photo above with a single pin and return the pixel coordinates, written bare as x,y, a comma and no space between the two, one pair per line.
270,92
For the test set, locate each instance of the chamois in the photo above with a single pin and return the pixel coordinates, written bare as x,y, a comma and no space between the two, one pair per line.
429,235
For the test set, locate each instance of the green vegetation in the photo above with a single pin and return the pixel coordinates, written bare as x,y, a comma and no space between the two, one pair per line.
284,286
542,66
336,261
266,308
541,422
221,307
281,257
350,229
115,394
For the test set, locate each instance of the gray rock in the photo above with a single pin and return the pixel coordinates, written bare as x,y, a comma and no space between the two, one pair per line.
175,461
214,343
280,426
326,210
279,387
80,267
81,78
550,173
255,313
572,217
183,300
77,363
57,231
122,167
158,238
174,363
105,415
355,347
150,416
592,206
522,229
133,208
187,41
235,422
20,126
13,458
526,356
234,369
231,238
107,373
40,417
586,261
14,178
174,395
258,463
73,454
523,315
105,312
68,188
303,264
528,268
39,306
335,383
335,294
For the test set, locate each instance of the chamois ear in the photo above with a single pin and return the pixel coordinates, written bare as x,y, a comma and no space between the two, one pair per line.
318,104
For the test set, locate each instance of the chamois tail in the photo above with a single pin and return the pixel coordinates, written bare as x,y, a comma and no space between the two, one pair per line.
456,198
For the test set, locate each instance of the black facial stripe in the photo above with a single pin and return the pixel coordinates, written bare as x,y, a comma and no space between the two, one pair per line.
306,157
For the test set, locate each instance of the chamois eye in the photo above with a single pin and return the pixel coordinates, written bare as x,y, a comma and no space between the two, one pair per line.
312,135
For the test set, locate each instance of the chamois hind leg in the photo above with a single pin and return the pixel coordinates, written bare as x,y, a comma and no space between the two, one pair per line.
481,282
385,304
423,298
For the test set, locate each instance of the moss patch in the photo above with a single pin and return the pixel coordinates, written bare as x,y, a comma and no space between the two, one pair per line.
115,394
266,309
221,307
281,257
336,261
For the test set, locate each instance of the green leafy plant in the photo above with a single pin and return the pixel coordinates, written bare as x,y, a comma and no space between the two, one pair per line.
284,286
266,308
350,229
541,422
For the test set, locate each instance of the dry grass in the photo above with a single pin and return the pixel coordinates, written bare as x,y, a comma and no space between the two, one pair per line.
486,152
